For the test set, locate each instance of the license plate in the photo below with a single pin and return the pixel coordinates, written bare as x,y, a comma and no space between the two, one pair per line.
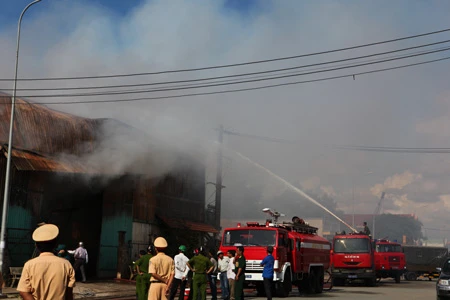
395,268
248,276
352,276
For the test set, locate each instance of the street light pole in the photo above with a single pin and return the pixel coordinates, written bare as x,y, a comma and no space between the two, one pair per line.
8,158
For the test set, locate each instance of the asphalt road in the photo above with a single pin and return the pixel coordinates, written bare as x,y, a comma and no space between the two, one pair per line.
385,290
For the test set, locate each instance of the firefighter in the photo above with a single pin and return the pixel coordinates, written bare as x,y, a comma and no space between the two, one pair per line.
143,276
201,266
366,229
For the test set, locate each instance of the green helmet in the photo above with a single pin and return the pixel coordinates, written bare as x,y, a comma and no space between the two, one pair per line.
182,248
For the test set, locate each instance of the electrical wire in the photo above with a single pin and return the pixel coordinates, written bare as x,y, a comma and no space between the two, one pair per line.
235,64
346,147
353,75
242,74
140,91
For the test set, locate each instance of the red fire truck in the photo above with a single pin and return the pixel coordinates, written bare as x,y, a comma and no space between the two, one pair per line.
301,256
352,257
389,260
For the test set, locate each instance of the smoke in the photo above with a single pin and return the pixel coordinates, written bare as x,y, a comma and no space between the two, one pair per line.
74,38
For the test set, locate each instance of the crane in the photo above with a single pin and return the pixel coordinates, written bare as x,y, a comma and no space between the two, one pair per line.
377,212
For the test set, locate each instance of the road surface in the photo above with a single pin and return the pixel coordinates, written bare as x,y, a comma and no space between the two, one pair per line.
386,290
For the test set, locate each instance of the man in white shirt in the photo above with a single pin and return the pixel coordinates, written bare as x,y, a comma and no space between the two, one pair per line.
81,259
230,272
223,262
181,272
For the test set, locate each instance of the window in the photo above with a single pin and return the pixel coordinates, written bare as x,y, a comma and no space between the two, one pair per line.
249,237
352,246
388,248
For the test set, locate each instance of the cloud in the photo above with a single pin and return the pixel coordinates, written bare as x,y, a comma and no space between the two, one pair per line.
311,183
395,182
445,200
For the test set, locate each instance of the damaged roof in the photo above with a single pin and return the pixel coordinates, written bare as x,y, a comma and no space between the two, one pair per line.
49,140
42,130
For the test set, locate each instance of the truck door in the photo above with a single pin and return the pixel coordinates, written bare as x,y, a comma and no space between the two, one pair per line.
291,252
298,256
282,250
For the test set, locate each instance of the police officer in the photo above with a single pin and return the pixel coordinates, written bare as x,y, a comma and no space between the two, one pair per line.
143,277
162,269
240,273
201,266
47,268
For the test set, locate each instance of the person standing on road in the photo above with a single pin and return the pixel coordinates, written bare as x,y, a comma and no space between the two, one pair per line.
162,270
181,272
191,279
268,263
201,266
223,262
212,277
81,259
47,276
230,273
143,276
240,273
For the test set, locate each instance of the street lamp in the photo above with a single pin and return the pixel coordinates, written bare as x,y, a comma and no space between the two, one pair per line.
8,158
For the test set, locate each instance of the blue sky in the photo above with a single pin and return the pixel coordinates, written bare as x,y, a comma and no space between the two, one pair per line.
11,9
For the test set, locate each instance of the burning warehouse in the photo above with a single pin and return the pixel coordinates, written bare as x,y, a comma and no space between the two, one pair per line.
81,175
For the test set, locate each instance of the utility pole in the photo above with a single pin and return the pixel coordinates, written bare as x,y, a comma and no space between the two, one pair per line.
9,157
219,177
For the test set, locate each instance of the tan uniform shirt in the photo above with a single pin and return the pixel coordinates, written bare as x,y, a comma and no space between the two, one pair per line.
162,265
47,277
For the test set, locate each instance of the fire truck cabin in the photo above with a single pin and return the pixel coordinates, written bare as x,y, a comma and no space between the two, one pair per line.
301,256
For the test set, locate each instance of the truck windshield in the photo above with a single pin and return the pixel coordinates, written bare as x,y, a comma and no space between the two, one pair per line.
351,245
249,237
388,248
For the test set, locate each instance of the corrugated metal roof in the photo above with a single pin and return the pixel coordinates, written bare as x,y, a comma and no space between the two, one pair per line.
28,161
42,130
185,224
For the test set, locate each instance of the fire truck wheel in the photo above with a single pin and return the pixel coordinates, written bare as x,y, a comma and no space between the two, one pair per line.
285,287
319,282
309,284
411,276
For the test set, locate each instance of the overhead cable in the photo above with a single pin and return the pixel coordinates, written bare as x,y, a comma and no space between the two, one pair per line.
140,91
235,64
352,75
246,74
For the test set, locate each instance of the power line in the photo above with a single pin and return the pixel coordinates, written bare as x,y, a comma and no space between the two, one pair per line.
235,64
245,89
140,91
345,147
438,229
396,149
245,74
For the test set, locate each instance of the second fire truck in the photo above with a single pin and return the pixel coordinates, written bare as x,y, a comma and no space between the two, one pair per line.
301,256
